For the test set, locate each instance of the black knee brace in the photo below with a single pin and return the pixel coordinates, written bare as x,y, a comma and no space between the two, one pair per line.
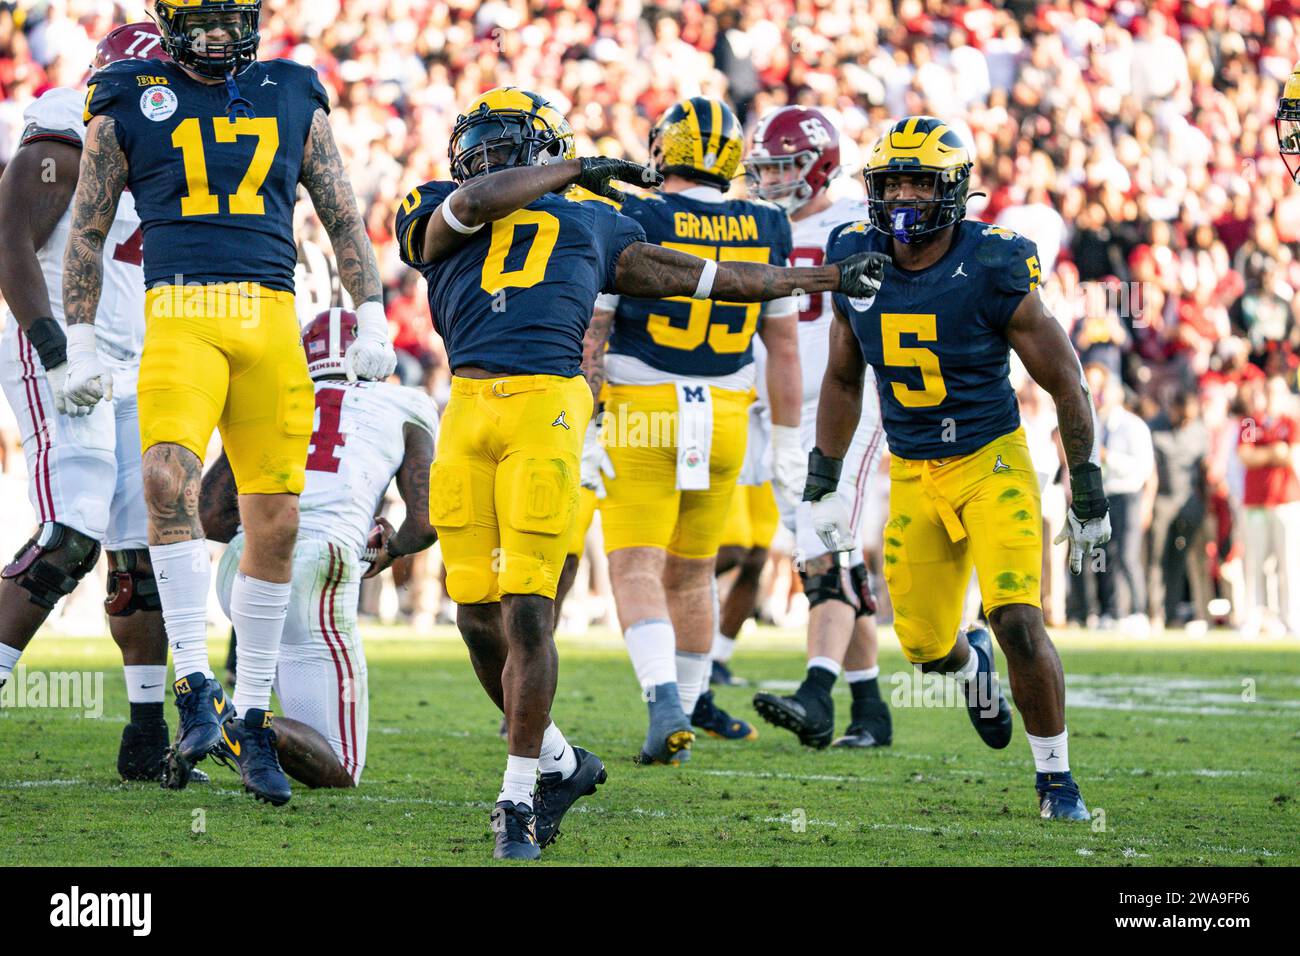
854,588
131,584
50,565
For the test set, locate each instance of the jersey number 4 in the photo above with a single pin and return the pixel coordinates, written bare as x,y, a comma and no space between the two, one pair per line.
327,438
247,201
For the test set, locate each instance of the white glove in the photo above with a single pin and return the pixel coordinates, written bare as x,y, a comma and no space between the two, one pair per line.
84,381
595,461
789,462
56,377
833,522
371,356
1084,537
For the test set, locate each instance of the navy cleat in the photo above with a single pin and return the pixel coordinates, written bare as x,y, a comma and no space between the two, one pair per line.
985,702
555,794
249,745
869,726
722,676
515,829
1059,797
202,706
669,739
811,719
716,722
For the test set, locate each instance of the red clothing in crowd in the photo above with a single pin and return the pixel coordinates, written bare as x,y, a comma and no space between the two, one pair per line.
1271,485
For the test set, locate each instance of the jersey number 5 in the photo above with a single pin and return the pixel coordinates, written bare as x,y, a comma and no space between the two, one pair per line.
247,201
893,325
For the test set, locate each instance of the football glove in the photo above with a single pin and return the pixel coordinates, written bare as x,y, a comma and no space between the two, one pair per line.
1087,523
831,518
862,275
789,465
371,356
85,381
597,171
596,463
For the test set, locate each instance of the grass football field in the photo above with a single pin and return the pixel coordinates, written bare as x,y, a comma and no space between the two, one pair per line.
1188,751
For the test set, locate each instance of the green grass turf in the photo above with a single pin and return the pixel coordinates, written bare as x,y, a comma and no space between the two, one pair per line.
1185,770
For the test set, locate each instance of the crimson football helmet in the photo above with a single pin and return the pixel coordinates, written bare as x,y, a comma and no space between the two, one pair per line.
135,41
795,155
326,339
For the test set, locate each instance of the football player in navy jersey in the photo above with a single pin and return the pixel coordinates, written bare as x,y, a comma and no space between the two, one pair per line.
213,146
513,270
959,295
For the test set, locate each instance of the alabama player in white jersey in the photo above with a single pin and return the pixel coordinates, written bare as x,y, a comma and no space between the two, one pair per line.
83,464
366,434
795,154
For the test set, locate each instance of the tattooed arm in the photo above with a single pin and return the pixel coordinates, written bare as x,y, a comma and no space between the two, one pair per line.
416,533
593,349
219,502
331,192
100,182
654,272
1052,362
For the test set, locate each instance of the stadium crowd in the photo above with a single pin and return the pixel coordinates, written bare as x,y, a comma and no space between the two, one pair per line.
1132,141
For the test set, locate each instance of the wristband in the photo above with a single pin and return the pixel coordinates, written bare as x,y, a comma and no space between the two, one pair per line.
49,340
81,341
705,286
372,321
1089,500
450,219
823,475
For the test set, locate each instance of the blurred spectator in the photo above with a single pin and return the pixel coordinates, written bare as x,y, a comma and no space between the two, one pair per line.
1176,568
1270,450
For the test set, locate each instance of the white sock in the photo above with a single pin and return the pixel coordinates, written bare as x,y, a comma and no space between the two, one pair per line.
856,677
723,647
556,753
183,572
1051,754
8,661
692,677
826,663
651,644
257,609
146,683
520,778
967,671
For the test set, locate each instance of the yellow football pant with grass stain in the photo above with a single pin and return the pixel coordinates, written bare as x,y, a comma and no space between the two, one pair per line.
946,515
229,356
503,490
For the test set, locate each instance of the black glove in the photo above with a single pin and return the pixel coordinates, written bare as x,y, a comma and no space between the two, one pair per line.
50,342
1089,500
823,475
862,275
597,171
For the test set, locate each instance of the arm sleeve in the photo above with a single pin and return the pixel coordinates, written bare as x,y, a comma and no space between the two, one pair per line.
55,117
623,232
107,90
415,208
423,412
1013,276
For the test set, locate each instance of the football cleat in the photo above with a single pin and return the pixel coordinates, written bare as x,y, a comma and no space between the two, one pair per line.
1059,797
555,794
203,708
983,690
142,751
721,675
516,835
716,722
248,745
811,720
669,739
870,726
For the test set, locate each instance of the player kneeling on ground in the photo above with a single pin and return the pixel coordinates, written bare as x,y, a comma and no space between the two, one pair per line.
366,434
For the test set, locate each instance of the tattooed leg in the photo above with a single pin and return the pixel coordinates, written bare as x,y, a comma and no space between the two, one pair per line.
172,478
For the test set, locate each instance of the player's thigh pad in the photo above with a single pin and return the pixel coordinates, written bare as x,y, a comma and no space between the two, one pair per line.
702,515
1003,517
184,370
266,428
537,480
641,500
925,571
462,495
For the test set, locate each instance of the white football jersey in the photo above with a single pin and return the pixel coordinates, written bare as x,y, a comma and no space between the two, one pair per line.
357,446
119,323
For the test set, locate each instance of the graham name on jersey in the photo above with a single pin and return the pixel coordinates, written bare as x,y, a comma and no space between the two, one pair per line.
688,225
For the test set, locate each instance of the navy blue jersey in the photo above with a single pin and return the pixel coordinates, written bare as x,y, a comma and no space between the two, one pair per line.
517,296
699,336
215,195
936,337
